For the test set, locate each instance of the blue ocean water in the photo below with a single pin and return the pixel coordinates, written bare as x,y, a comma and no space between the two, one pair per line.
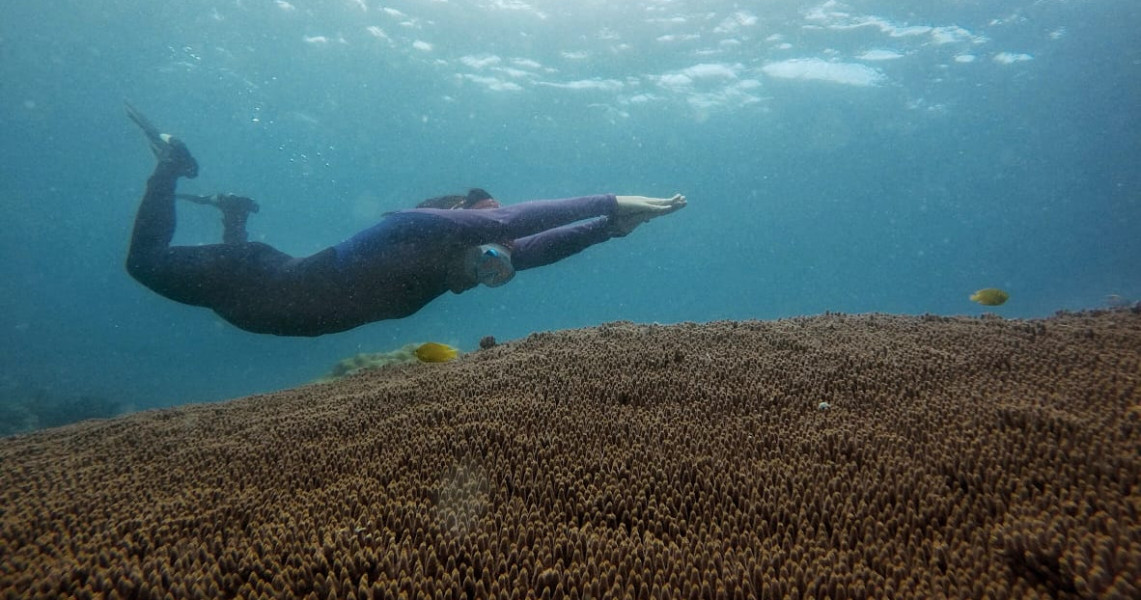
838,156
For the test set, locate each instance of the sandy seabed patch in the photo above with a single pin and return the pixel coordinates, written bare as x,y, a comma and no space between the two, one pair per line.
834,456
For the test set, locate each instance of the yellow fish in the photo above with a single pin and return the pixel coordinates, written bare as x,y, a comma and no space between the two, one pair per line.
990,296
433,352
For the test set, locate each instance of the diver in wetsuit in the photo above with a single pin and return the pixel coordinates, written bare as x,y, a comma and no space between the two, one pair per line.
388,271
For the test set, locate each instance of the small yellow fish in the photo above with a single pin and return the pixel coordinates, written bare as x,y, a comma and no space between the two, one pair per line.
433,352
990,296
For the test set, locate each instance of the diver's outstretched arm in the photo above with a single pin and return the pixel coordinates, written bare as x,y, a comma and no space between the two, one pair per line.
553,245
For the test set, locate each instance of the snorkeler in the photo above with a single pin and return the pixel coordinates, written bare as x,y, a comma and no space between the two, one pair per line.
388,271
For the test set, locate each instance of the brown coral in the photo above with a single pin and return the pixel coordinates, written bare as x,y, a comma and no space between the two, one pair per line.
959,458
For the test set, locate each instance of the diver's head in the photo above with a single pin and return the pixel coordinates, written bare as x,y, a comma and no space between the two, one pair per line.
475,199
489,264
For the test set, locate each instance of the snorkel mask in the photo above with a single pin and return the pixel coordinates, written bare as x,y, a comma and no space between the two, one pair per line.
493,265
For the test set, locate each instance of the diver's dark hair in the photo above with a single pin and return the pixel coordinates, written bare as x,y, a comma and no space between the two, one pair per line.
473,196
443,202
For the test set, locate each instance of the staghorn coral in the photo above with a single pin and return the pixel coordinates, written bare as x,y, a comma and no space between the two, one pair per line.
960,458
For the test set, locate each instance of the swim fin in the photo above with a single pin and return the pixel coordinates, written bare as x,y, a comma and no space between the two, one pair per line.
167,148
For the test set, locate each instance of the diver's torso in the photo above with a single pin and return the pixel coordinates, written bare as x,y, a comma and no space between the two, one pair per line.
311,296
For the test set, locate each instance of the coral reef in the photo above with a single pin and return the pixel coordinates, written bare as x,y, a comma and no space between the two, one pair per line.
366,361
959,457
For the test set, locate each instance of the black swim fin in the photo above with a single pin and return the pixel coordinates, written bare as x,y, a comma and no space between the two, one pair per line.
166,148
153,134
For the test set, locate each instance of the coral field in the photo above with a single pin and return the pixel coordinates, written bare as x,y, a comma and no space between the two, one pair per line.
834,456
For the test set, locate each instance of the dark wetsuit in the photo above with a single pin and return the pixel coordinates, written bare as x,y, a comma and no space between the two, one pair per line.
388,271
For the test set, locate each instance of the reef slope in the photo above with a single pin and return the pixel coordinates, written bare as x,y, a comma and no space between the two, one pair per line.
960,457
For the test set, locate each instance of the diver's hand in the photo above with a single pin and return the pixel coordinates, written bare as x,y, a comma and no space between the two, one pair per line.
635,210
648,207
622,226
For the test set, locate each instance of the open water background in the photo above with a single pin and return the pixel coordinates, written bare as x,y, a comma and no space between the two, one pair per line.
838,156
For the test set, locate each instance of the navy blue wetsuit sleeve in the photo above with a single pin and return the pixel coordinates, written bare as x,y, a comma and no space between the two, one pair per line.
428,227
474,227
556,244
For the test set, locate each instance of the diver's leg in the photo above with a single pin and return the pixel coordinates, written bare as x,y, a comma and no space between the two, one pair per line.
235,211
213,275
155,219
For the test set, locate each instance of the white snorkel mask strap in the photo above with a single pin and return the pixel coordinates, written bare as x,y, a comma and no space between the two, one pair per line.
493,266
